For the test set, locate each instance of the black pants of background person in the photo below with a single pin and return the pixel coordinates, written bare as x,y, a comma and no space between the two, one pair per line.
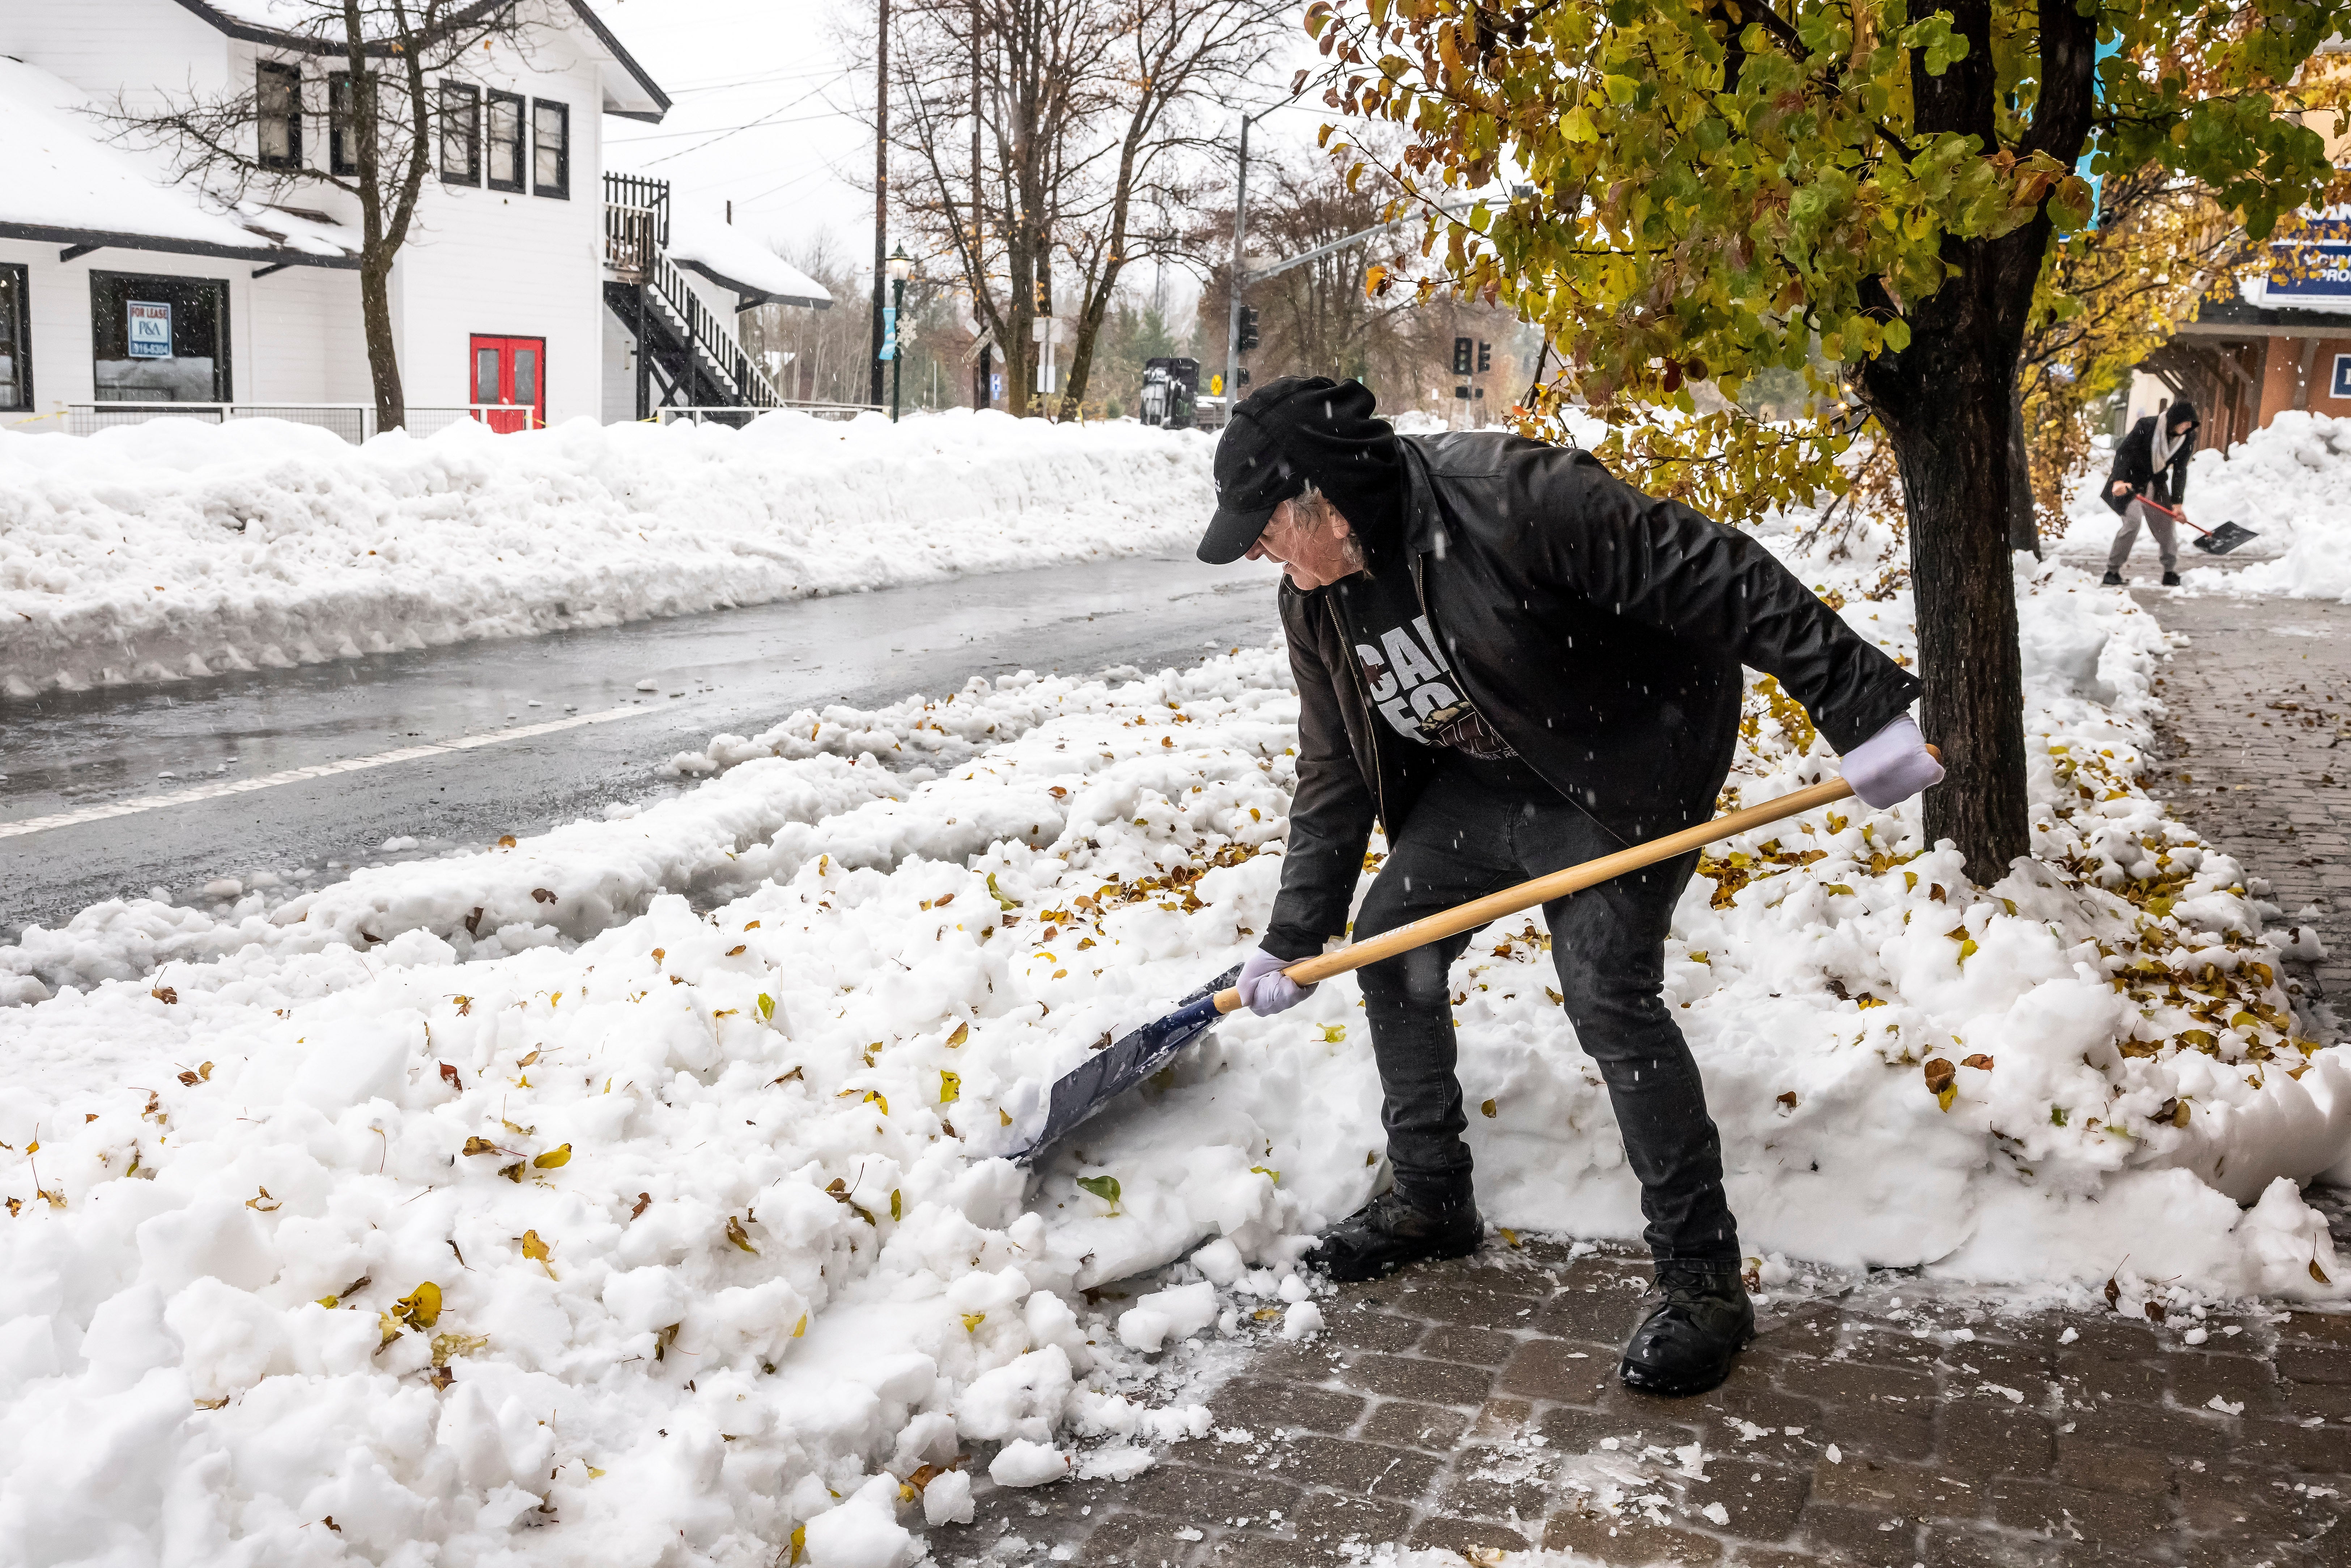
1478,828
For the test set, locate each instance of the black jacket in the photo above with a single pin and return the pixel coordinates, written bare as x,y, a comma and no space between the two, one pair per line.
1599,631
2135,465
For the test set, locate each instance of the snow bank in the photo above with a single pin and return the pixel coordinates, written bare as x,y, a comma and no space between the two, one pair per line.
2290,483
624,1215
176,548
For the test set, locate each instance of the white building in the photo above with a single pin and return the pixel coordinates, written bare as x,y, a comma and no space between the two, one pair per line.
523,283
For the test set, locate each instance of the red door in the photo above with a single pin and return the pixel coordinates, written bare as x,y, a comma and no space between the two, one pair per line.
511,372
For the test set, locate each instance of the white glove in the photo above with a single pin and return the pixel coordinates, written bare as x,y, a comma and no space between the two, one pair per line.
1890,766
1265,990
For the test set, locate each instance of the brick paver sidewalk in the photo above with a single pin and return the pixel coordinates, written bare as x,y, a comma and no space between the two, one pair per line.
1474,1407
2257,740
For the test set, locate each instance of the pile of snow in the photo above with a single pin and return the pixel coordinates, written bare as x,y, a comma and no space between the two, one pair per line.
2290,483
173,549
616,1215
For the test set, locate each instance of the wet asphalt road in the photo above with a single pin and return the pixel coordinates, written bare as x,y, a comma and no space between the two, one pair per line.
737,670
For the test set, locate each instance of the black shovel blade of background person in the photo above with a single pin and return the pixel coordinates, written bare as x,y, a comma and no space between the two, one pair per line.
1125,1063
2224,539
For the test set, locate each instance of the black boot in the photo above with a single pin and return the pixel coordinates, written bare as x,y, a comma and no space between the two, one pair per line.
1697,1318
2170,580
1389,1232
2113,579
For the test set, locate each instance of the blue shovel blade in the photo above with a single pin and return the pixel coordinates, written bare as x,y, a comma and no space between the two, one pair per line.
1126,1062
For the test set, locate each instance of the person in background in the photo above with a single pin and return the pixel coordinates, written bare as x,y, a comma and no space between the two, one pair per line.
1516,663
2151,465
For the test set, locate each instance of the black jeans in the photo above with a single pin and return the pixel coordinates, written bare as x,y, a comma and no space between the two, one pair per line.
1478,828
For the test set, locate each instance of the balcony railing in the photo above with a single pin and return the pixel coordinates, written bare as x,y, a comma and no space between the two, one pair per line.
636,225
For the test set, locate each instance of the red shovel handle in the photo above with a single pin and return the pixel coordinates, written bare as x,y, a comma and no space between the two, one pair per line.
2175,516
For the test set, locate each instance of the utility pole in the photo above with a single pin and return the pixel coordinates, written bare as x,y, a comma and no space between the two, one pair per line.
1233,306
980,398
881,181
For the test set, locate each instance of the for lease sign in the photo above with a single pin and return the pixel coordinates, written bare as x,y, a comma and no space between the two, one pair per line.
150,330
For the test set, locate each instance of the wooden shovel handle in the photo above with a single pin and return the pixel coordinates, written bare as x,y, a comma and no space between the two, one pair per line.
1558,884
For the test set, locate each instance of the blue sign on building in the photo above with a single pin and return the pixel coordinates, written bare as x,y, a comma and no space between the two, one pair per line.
2313,266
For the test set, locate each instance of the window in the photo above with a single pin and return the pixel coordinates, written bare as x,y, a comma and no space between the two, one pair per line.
277,114
15,348
506,142
156,338
342,135
550,125
461,134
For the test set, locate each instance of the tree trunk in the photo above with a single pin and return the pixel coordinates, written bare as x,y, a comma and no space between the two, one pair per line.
1081,357
2023,526
1951,445
1947,404
382,349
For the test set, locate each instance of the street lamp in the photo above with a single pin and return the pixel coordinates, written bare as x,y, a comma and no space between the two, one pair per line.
902,268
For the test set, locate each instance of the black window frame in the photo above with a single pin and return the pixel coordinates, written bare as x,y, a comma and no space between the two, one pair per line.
289,116
469,96
339,126
223,338
561,189
521,107
19,324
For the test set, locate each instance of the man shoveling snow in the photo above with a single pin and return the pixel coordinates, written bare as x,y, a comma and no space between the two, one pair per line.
1515,662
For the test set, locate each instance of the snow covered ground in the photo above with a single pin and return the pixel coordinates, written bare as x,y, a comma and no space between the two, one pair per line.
176,548
2291,484
417,1201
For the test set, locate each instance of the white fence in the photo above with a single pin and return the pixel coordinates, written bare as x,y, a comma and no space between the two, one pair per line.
354,422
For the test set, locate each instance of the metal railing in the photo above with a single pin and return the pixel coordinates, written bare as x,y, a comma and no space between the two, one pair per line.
739,417
432,419
354,422
713,337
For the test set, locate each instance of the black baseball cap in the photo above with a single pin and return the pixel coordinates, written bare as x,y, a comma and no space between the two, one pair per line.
1289,432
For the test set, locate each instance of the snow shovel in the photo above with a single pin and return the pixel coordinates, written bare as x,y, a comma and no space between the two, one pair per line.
1128,1061
2215,541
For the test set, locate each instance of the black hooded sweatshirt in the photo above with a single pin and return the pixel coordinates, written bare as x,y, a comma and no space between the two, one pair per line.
1599,631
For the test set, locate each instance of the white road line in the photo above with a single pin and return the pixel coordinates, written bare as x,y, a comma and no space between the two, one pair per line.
321,770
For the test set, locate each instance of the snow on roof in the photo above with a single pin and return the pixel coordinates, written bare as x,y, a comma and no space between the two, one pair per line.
633,94
725,255
66,180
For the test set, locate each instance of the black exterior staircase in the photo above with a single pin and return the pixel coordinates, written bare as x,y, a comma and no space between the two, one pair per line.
687,357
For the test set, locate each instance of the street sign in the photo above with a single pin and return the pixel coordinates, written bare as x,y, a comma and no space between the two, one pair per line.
150,331
1215,386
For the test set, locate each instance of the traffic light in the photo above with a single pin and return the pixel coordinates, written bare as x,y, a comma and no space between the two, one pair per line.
1485,355
1461,356
1248,329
